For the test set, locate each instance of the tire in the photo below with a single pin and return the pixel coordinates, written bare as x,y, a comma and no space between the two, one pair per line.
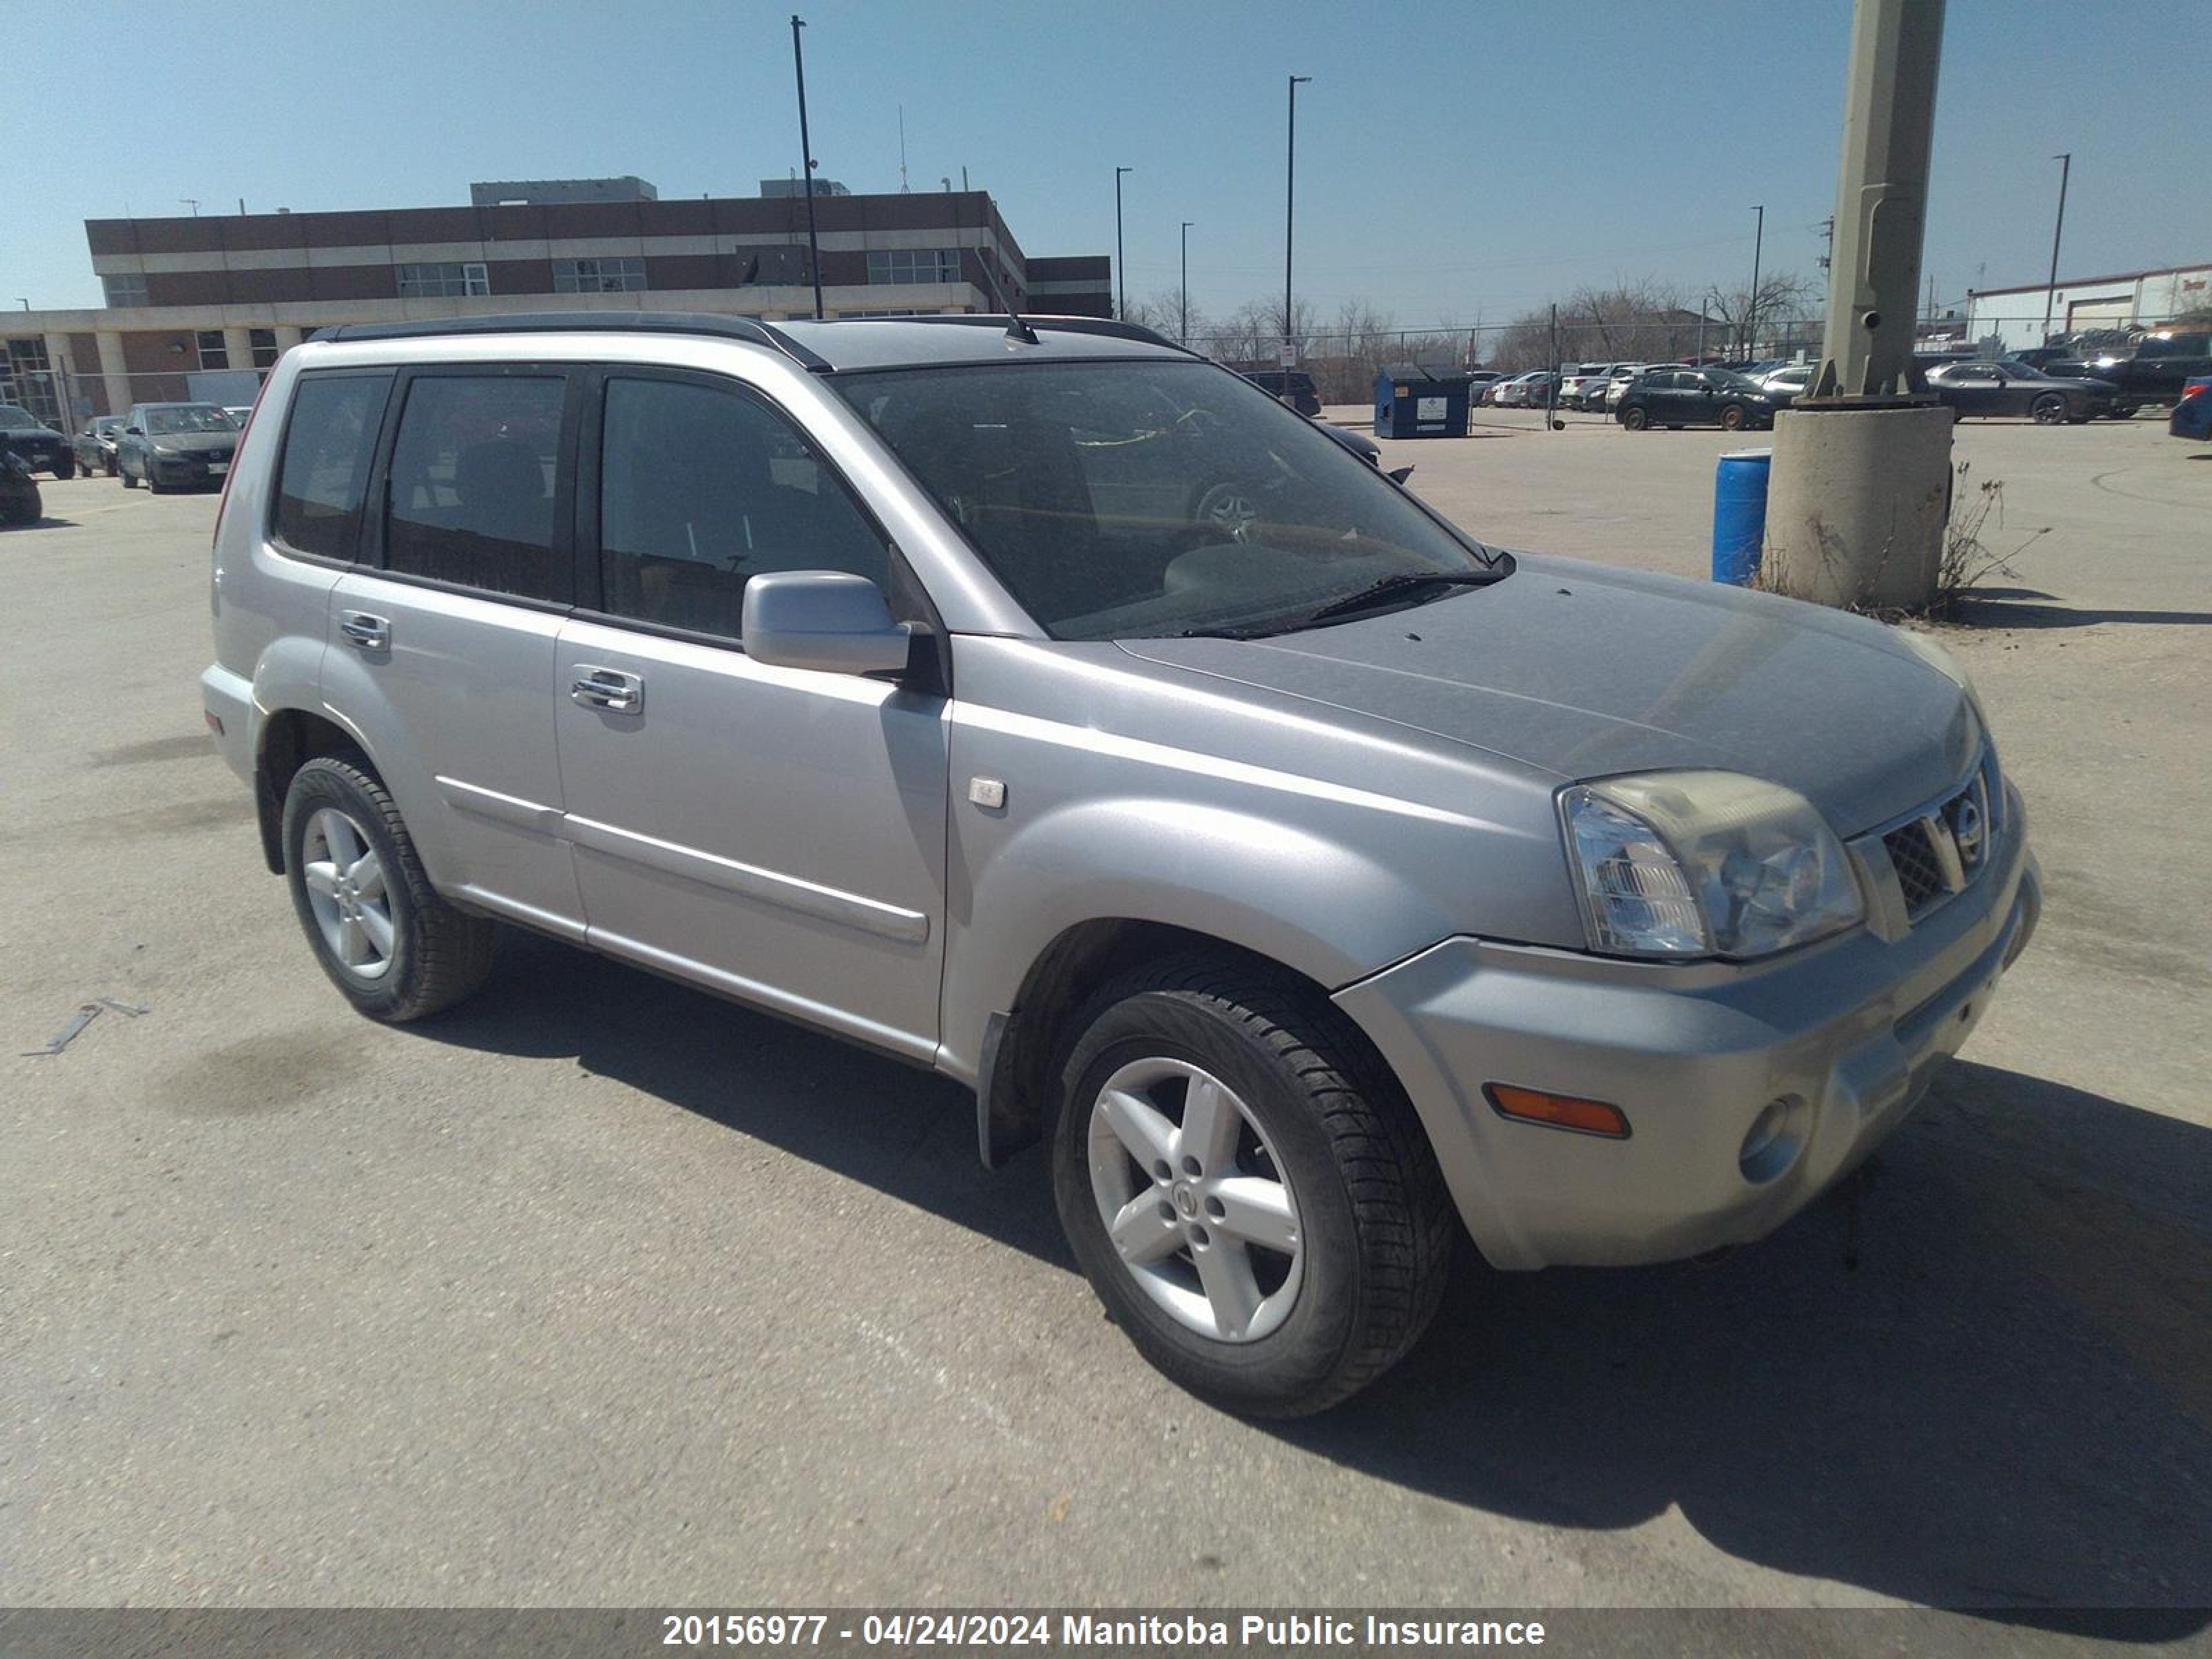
66,470
2049,410
1328,1157
2125,412
17,510
1635,419
129,483
424,955
111,466
1733,418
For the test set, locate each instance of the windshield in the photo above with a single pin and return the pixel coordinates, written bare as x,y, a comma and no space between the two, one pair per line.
1150,498
1728,382
189,417
2019,370
107,423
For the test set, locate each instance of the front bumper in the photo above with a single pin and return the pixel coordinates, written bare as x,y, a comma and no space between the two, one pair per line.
189,468
1847,1033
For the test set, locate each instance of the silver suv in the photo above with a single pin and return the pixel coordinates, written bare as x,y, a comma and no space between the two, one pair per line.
1313,880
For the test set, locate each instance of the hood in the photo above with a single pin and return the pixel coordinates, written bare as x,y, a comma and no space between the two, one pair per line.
1583,671
194,443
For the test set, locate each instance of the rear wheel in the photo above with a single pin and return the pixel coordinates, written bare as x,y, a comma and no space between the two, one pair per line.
1250,1196
2049,410
397,949
1634,419
129,483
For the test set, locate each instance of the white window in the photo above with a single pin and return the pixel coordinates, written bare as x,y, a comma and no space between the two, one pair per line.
445,282
213,353
914,264
128,289
599,276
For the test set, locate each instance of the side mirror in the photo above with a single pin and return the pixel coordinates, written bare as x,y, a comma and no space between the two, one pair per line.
826,620
134,431
1398,475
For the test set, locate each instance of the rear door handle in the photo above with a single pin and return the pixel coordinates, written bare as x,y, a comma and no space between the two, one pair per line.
369,633
608,689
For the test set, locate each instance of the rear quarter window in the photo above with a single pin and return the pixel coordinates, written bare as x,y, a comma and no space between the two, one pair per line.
329,442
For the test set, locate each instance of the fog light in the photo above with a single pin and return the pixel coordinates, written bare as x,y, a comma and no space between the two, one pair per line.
1776,1135
1588,1117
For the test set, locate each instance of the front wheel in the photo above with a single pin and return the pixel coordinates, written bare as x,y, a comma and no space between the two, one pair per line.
1634,419
65,469
2049,410
397,949
129,483
1248,1191
1733,418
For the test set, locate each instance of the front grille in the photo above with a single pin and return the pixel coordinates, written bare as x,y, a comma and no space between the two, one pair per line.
1944,848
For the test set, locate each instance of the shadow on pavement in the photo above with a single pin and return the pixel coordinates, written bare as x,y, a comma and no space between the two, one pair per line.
1989,610
2006,1406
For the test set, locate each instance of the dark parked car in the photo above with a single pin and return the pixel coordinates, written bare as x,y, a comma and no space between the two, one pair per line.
94,446
173,443
2192,416
1678,398
2154,372
1293,386
43,449
2006,386
19,491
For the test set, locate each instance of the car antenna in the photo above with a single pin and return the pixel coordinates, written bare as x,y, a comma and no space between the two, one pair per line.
1017,330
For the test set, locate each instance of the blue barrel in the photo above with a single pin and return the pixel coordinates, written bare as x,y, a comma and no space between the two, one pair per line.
1738,514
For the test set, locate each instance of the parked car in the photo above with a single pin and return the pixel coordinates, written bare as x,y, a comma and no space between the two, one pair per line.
1676,398
2153,371
2192,412
1298,889
1479,380
174,445
2043,356
2005,386
1523,389
1789,382
1617,383
94,446
19,491
41,448
1293,387
1576,379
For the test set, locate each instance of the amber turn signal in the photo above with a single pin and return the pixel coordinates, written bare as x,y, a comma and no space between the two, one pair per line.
1588,1117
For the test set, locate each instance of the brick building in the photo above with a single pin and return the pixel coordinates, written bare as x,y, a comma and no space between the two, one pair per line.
189,296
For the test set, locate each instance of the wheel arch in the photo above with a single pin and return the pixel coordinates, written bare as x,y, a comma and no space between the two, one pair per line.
289,739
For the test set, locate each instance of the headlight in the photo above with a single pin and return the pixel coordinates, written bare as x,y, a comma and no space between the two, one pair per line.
1701,864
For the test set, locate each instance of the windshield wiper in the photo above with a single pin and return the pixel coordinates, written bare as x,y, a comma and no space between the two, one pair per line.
1249,633
1405,582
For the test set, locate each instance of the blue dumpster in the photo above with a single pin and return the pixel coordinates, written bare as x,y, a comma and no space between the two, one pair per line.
1738,514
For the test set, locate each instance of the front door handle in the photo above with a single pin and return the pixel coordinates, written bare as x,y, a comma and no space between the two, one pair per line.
608,689
369,633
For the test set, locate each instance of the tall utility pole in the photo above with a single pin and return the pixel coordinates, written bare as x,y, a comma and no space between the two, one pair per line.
1182,329
1121,267
2065,167
1750,304
806,159
1290,213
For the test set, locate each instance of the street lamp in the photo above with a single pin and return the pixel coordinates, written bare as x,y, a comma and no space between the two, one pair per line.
1290,210
1182,329
2065,167
1120,265
806,161
1751,305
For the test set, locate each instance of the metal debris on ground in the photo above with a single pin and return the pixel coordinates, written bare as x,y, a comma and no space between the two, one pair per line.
84,1016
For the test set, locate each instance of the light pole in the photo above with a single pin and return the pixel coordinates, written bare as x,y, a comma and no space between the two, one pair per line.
1121,267
1290,212
1750,304
806,161
2065,167
1183,328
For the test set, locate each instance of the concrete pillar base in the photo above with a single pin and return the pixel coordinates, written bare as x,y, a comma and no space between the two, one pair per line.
1857,505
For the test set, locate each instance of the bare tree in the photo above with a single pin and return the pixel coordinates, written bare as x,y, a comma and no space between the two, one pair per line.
1784,300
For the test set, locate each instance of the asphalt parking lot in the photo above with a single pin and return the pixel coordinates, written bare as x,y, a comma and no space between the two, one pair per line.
600,1291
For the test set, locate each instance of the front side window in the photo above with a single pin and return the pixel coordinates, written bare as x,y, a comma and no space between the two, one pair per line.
1151,497
914,264
470,496
703,488
329,443
443,281
599,276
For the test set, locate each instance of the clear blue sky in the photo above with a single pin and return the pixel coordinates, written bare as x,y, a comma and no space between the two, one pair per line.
1456,161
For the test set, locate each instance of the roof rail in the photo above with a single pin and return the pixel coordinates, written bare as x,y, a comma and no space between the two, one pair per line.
595,322
1105,325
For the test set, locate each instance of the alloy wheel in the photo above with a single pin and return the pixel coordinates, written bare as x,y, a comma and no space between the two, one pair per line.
346,890
1194,1201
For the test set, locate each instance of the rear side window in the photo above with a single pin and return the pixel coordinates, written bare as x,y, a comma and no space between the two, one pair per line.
470,496
328,445
701,489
